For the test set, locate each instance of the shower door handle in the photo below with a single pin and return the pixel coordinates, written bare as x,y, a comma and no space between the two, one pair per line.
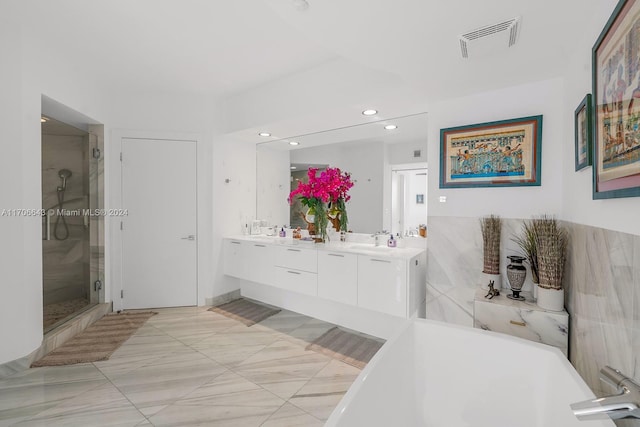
189,237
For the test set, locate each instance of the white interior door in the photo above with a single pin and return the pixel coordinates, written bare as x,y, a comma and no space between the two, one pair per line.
159,250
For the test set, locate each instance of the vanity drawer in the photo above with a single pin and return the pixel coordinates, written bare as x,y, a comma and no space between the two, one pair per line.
297,281
297,258
531,324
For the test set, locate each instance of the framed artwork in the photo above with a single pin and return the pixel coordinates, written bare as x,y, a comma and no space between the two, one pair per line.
584,133
616,93
420,199
495,154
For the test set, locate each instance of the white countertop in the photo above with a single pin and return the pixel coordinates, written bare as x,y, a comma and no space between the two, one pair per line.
343,247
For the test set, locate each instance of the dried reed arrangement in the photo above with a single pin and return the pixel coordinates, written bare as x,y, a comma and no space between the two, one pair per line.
490,226
527,242
551,243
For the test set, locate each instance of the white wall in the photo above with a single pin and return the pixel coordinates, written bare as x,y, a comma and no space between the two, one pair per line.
30,69
21,280
235,201
403,153
578,204
544,97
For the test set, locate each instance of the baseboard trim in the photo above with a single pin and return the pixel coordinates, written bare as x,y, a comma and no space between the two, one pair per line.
224,298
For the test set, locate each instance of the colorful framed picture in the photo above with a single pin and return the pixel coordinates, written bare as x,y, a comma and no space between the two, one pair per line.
584,133
496,154
616,93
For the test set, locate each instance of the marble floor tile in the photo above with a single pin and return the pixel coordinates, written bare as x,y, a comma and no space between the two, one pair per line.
22,402
167,379
282,367
188,366
323,392
291,416
310,331
101,406
229,400
285,321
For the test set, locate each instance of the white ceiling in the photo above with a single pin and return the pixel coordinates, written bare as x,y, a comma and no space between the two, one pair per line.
235,48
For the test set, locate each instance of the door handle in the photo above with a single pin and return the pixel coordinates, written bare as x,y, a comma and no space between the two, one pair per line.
189,237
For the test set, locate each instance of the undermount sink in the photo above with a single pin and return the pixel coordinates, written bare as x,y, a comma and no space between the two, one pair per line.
366,247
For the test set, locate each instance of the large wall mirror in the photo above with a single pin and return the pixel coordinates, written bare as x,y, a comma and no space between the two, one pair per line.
387,160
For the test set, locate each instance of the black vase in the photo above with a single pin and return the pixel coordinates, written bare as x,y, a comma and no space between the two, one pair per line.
516,273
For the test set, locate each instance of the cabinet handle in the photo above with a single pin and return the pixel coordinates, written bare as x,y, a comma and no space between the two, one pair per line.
260,246
381,260
294,250
513,322
338,255
236,243
292,272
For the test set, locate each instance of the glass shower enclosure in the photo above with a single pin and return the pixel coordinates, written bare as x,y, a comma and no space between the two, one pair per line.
73,220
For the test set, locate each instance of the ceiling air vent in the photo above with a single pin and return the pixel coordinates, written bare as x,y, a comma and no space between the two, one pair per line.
489,39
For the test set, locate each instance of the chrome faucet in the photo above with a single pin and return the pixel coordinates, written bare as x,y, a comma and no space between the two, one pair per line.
625,404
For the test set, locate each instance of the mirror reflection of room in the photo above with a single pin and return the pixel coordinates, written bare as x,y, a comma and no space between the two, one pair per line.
388,168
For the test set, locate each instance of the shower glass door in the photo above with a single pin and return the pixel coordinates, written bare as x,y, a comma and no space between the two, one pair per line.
73,221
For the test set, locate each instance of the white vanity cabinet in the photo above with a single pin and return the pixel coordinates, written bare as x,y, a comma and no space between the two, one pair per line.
236,258
296,269
382,284
338,276
260,263
360,276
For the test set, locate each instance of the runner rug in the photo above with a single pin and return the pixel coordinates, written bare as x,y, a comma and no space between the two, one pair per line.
98,341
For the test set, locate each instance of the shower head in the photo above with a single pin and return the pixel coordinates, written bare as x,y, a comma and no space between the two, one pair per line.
64,174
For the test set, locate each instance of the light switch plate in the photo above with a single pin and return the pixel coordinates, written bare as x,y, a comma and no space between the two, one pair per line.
443,199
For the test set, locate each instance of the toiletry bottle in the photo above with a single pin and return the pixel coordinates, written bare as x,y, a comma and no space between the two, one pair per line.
245,230
283,233
391,242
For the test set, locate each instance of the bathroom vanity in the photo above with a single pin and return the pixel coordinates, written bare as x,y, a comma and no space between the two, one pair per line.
342,278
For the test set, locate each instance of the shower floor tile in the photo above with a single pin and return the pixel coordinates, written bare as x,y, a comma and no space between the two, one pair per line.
53,313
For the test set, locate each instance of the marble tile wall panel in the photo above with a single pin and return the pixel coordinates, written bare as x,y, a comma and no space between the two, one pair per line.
602,281
441,307
602,292
454,264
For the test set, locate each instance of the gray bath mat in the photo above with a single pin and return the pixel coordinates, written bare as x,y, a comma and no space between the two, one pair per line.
355,350
245,311
98,341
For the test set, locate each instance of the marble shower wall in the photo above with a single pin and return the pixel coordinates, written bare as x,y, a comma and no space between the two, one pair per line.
602,288
65,262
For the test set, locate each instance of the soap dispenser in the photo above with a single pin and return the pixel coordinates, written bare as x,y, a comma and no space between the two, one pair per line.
283,233
391,242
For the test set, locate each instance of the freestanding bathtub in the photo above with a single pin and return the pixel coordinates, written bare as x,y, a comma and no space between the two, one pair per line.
439,375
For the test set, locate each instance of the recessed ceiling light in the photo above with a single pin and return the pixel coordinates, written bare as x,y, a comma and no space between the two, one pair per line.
294,143
370,112
264,134
391,127
293,167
